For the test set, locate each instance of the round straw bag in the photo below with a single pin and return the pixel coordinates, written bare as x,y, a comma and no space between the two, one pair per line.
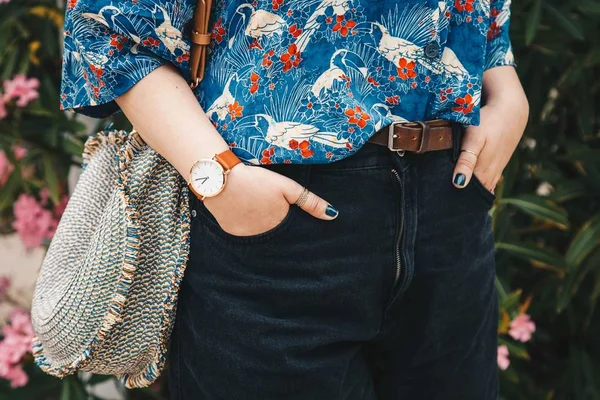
106,294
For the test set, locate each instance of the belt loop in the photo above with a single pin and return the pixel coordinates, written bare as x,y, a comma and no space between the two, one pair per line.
424,137
457,134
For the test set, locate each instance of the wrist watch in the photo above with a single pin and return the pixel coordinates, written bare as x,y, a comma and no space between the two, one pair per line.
209,175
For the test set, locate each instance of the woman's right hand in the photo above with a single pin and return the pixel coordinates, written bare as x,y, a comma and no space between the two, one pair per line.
256,200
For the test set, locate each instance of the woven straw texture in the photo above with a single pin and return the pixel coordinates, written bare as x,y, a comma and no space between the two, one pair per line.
105,298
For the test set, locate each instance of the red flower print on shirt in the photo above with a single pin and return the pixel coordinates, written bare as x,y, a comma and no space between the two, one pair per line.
97,71
218,31
254,80
150,42
235,110
465,104
276,4
302,146
393,100
373,82
118,41
295,31
255,45
183,57
493,31
267,62
71,4
304,150
406,69
342,25
347,79
357,116
291,59
266,155
464,5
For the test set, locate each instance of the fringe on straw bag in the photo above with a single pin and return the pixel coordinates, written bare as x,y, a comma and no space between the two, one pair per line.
106,295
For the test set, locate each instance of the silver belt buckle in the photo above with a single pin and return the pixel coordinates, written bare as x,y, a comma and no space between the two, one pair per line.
391,137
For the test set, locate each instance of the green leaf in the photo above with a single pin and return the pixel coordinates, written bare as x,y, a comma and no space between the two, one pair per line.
568,190
500,288
65,393
541,208
534,253
568,25
511,300
9,191
586,239
51,177
78,390
514,349
589,6
96,379
582,154
533,22
566,292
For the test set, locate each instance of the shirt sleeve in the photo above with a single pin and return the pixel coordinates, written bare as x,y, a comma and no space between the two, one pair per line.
499,49
109,45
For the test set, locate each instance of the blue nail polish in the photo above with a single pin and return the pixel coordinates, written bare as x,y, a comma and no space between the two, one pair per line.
331,211
460,179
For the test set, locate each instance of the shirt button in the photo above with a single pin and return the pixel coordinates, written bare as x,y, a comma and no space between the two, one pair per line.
193,213
432,50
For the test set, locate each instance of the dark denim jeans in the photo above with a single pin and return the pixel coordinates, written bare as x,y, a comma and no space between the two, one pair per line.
393,300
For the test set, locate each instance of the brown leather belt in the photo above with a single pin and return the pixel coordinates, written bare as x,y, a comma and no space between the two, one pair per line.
417,137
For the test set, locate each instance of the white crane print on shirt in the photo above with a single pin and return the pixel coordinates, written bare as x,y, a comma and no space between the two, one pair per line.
340,7
340,62
281,133
254,23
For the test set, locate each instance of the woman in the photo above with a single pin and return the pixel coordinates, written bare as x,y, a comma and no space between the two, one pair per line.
348,254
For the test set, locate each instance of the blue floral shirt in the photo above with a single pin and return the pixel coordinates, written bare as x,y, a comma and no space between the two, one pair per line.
294,81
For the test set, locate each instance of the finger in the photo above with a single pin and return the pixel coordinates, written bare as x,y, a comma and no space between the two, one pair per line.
310,202
463,171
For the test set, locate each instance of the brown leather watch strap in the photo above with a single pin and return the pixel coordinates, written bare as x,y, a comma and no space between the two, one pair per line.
417,137
227,159
200,39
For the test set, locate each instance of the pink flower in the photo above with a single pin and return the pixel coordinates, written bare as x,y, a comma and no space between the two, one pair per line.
503,361
521,328
16,344
22,89
20,152
32,222
4,1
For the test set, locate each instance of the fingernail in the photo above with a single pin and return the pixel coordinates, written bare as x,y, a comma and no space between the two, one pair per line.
459,179
331,211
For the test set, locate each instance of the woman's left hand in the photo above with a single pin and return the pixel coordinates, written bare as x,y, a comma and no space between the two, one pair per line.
487,148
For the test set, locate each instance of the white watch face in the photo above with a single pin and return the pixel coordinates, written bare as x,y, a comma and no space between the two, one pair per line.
207,177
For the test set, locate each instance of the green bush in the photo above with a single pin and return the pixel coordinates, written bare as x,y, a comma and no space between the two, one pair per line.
548,244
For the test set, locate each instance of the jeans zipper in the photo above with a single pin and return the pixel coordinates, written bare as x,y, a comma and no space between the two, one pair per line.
400,230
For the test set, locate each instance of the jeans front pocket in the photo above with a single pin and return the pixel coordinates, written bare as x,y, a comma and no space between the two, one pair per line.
213,225
488,196
475,186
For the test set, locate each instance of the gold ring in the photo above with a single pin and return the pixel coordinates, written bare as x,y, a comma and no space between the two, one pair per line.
471,152
302,198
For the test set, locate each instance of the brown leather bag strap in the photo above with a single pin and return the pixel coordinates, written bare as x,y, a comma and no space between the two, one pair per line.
200,39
